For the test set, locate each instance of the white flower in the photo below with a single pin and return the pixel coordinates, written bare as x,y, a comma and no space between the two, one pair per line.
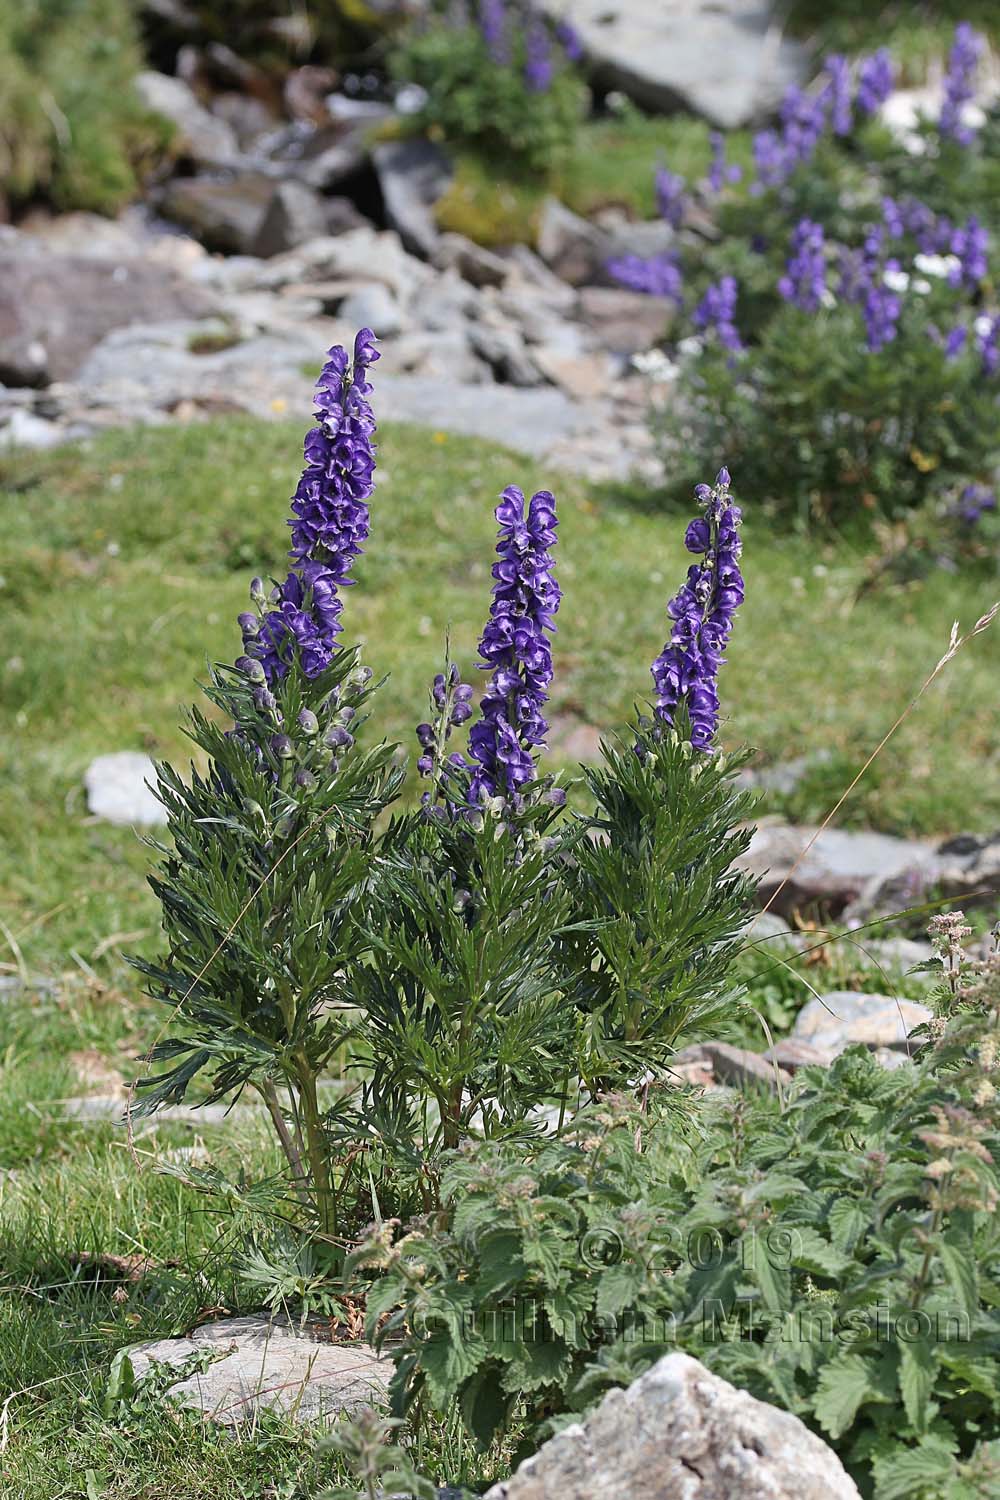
983,325
689,346
896,281
921,286
936,265
826,297
656,365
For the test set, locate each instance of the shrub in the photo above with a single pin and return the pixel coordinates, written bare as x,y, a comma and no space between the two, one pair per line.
470,966
73,130
838,1257
506,91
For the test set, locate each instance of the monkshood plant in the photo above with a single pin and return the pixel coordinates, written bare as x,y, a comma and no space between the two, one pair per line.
393,980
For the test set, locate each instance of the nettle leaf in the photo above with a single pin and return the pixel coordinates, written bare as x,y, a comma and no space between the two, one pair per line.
958,1258
619,1287
485,1404
913,1473
811,1252
848,1219
843,1386
918,1367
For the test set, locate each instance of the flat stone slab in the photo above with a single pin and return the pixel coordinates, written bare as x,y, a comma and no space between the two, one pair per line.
272,1364
117,790
528,421
845,1017
724,59
832,868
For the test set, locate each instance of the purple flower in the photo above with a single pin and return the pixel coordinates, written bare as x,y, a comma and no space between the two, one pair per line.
876,76
493,25
451,698
960,83
538,69
515,648
863,280
772,160
955,341
671,196
686,671
988,343
569,40
803,121
719,173
329,524
804,281
837,94
973,502
717,310
659,276
971,244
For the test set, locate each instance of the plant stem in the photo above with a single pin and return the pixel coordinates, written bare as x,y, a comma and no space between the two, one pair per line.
269,1094
326,1204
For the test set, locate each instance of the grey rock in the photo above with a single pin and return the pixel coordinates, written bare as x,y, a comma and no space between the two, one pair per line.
323,158
966,869
625,322
584,377
445,355
786,775
737,1066
446,303
294,215
765,926
270,1364
200,136
838,866
247,117
224,215
473,262
361,255
70,302
503,350
529,270
680,1431
24,361
573,248
528,421
724,59
413,175
843,1018
24,430
103,1108
373,307
117,790
794,1052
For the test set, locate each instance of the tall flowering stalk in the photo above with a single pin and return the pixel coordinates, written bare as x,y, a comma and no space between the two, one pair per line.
495,28
876,76
960,83
538,66
837,93
515,648
656,276
804,281
671,196
717,311
686,671
720,171
329,523
970,244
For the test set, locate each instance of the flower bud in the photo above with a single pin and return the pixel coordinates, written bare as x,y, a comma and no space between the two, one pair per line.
557,796
722,478
250,668
264,700
425,765
338,738
249,624
347,713
460,713
361,676
308,722
257,593
282,746
305,779
425,735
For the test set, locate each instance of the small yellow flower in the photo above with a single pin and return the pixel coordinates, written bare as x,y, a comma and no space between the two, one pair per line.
439,437
279,404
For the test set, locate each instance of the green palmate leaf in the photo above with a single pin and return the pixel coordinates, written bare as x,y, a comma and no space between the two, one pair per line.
918,1366
485,1404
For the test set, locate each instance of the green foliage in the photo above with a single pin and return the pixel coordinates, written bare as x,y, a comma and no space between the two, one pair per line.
474,101
380,1466
860,432
839,1258
458,974
72,128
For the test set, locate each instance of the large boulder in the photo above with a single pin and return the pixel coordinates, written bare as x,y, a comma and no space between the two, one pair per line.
681,1433
724,59
68,303
224,214
845,1018
799,866
413,175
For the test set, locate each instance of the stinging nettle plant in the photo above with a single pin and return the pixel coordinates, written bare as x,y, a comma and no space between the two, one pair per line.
392,980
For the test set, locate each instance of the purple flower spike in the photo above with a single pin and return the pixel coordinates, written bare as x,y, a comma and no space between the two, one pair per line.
671,196
329,524
515,648
804,281
876,76
971,244
687,669
720,172
493,24
538,67
569,40
960,83
837,94
717,311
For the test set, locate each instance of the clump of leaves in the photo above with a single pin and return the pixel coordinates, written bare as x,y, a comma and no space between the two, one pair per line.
380,1466
839,1258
